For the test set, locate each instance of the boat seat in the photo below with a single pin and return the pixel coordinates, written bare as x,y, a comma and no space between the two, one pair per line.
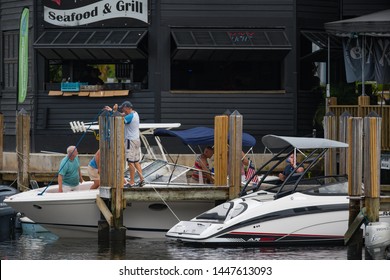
150,169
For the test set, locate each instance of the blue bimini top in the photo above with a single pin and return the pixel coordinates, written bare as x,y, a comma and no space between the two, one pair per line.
200,136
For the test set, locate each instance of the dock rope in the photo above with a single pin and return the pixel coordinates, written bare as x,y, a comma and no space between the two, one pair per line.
162,199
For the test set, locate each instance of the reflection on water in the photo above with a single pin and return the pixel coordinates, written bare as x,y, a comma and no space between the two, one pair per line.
46,246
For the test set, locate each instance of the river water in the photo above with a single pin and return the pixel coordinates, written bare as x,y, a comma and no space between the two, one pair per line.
45,246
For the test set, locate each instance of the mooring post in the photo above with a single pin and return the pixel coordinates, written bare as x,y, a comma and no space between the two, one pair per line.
372,177
221,127
118,232
355,163
235,152
343,137
111,146
1,140
23,149
330,132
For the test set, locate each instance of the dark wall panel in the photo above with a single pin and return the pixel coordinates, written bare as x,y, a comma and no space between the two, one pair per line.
354,8
262,113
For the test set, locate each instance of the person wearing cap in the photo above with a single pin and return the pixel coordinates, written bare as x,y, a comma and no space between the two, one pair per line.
132,140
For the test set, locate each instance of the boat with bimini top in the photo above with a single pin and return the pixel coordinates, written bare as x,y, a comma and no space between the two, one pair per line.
305,208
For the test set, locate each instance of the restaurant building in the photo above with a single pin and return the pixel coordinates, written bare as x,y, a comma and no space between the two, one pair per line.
176,60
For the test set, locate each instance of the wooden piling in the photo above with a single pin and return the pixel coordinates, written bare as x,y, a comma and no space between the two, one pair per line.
112,162
343,137
372,153
1,140
23,149
355,163
221,127
330,132
372,141
235,153
118,164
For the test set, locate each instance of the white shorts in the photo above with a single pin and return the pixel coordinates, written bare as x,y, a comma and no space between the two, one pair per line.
132,150
93,173
66,188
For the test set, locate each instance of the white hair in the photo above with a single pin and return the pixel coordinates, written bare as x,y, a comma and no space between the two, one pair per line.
70,150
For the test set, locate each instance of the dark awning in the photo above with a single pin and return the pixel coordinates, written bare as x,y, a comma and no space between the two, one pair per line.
91,45
322,40
229,44
375,24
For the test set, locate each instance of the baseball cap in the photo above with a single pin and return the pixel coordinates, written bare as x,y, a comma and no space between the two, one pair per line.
126,104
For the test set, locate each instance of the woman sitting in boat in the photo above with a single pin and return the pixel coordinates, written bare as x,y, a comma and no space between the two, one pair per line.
290,167
94,170
201,163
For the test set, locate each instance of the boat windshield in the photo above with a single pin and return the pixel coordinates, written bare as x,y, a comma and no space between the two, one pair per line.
326,185
322,185
222,212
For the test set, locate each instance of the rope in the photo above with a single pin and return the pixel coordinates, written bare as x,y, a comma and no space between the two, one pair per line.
68,156
20,156
162,199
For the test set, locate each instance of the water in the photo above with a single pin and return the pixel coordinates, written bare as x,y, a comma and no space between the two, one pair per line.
46,246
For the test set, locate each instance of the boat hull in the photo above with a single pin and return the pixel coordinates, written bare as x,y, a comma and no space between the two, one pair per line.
296,219
75,214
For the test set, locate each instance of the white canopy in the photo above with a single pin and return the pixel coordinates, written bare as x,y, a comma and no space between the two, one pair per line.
280,142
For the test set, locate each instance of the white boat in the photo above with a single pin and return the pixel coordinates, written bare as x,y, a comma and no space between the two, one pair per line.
75,213
303,209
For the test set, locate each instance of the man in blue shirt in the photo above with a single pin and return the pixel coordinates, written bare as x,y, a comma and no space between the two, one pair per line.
132,140
69,174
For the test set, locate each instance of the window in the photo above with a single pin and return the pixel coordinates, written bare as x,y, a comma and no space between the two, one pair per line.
228,59
230,75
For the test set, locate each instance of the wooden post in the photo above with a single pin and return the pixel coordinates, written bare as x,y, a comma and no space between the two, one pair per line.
372,153
106,220
343,133
330,132
1,140
372,176
363,100
221,127
23,149
117,140
355,163
112,149
235,152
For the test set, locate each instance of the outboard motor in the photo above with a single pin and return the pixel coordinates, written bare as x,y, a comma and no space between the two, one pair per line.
377,240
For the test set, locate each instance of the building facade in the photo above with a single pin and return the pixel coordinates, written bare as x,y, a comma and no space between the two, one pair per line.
176,60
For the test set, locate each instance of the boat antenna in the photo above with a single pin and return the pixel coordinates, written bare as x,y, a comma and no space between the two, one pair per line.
78,143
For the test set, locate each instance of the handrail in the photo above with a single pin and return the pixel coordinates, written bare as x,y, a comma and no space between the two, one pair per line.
364,110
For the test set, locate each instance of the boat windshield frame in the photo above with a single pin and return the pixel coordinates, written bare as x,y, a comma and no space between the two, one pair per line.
294,180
